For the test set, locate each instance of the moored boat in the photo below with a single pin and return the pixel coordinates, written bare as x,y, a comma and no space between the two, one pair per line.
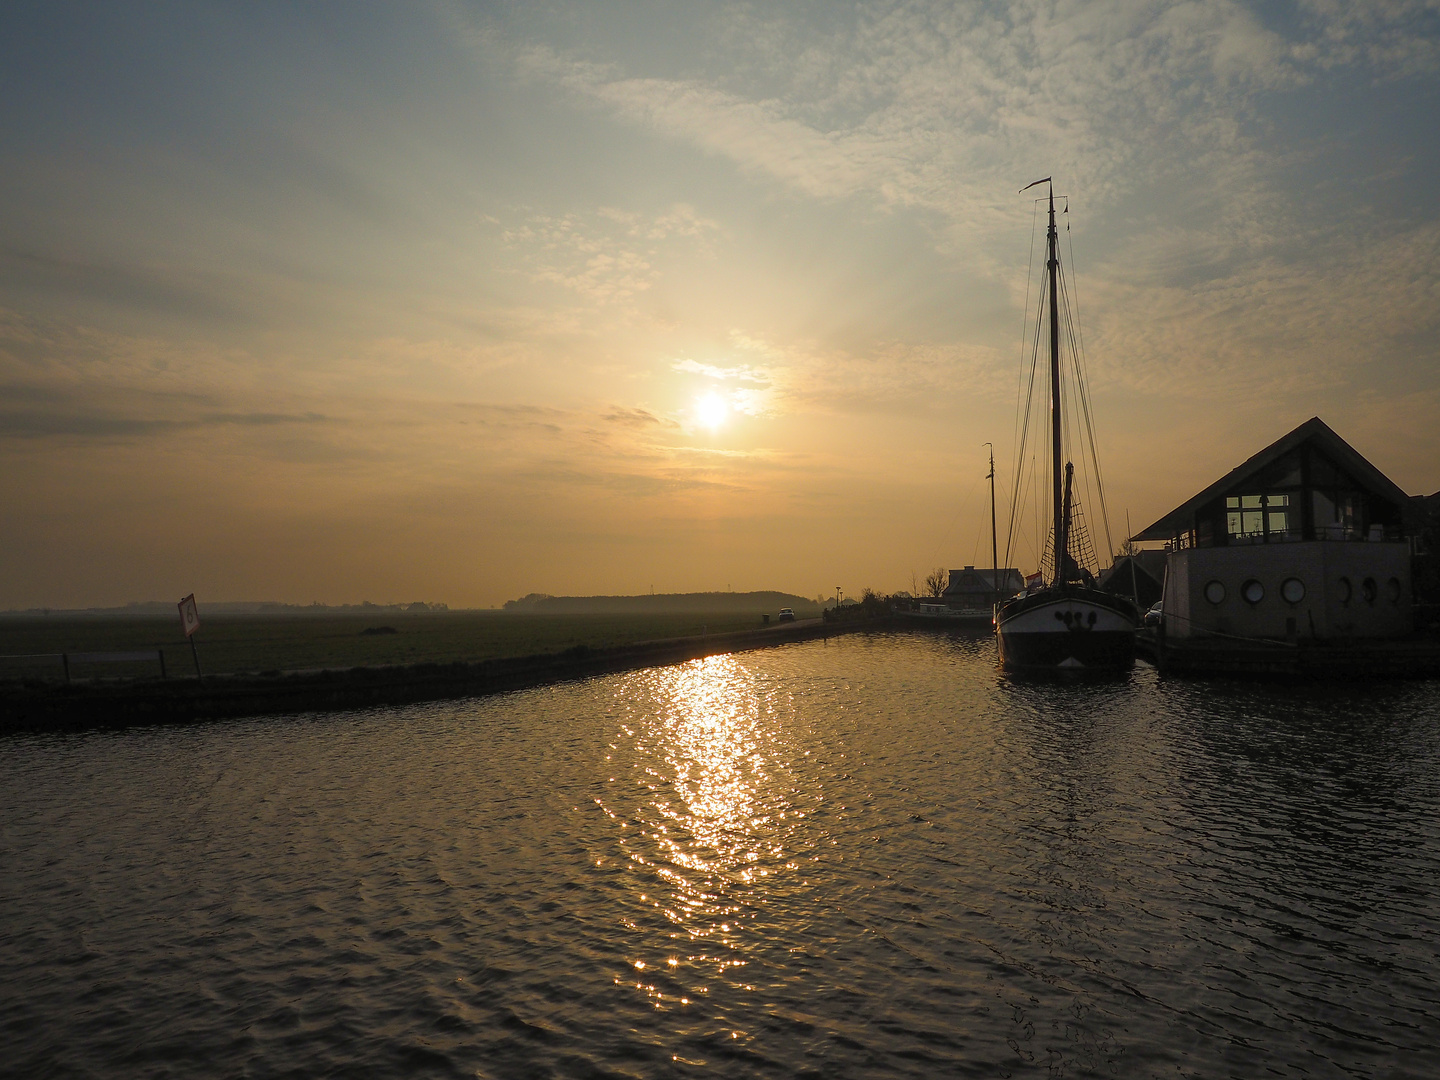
1065,625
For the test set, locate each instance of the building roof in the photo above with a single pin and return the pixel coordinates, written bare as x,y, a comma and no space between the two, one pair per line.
1315,430
1150,563
972,580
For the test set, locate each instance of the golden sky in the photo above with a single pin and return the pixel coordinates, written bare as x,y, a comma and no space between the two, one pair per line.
458,302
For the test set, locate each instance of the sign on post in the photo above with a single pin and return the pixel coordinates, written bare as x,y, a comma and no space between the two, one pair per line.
189,617
190,622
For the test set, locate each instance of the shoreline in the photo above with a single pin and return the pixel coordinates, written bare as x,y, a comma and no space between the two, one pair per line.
82,706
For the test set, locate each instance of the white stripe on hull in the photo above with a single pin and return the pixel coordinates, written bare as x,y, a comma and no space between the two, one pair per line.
1067,632
1051,618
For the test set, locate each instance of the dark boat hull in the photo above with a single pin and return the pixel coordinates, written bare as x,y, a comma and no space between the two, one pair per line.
1069,628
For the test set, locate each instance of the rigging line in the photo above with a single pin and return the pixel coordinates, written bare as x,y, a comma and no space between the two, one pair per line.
1084,366
1024,322
1086,462
1083,409
1024,428
950,526
1018,453
1021,495
1078,413
1029,404
1029,474
1088,409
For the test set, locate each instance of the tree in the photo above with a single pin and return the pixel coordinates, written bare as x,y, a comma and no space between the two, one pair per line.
1129,547
936,580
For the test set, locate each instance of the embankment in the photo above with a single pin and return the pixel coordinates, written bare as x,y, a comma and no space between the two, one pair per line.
52,707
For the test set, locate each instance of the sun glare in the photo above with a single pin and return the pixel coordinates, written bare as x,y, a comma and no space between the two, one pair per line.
711,410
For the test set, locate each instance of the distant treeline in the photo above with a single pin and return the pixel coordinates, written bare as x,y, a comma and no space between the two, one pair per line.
665,603
240,607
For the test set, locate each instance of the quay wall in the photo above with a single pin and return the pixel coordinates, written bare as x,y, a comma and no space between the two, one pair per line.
52,707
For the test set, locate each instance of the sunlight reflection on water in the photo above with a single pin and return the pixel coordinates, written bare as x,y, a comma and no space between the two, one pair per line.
713,805
872,857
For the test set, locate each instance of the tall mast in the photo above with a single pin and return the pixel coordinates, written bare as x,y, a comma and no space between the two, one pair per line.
994,545
1053,265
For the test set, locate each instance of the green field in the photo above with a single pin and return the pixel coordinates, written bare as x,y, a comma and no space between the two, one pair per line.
262,643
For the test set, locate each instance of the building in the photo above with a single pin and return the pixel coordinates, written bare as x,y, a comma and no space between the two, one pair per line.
1305,541
974,590
1141,577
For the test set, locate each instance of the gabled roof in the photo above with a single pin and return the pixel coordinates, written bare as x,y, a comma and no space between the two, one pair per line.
1182,518
972,580
1148,562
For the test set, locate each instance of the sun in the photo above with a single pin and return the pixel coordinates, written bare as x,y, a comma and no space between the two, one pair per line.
711,410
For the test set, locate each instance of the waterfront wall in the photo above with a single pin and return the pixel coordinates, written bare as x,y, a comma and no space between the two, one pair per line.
50,706
1350,590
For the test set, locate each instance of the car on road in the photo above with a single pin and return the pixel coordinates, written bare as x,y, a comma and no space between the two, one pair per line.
786,615
1155,614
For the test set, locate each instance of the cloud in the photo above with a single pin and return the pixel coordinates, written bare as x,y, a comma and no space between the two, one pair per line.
892,377
74,417
949,108
746,374
936,105
636,418
607,257
1268,327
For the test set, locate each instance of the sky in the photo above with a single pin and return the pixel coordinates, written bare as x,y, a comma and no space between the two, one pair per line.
457,302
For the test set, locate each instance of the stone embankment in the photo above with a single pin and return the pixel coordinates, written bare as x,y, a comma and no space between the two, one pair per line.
52,707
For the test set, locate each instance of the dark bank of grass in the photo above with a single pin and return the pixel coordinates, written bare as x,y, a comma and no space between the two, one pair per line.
265,643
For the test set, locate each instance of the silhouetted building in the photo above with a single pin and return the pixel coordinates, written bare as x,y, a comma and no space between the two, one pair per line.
1306,539
974,590
1141,577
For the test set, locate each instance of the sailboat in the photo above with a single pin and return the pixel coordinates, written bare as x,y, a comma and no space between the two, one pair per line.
1065,624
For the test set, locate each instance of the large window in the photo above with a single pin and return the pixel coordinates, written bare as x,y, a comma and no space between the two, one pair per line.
1257,516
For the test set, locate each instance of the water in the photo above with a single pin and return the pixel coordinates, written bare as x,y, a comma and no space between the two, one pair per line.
875,857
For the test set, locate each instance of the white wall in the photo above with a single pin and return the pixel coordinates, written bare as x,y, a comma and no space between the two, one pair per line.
1320,566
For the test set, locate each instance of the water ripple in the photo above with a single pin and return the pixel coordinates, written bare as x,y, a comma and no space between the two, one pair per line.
874,856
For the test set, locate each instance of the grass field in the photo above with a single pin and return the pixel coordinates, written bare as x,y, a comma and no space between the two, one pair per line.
258,643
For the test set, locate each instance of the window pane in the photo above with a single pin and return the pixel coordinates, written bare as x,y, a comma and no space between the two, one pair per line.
1232,503
1251,522
1279,500
1232,524
1277,522
1250,502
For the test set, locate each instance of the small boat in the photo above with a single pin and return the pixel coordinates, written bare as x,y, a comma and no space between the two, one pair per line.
1065,625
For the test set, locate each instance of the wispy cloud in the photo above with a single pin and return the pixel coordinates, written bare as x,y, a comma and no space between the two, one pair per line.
607,257
713,371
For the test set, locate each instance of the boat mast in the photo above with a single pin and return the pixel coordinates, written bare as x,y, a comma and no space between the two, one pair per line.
994,543
1053,265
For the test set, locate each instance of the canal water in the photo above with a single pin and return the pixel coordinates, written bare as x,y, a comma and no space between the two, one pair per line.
872,857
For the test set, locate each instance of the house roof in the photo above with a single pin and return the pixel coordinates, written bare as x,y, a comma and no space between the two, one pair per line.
1151,563
972,580
1315,430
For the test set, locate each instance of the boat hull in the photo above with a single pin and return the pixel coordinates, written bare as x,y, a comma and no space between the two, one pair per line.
1067,629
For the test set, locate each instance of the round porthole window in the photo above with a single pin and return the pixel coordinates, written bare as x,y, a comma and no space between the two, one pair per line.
1293,590
1215,592
1392,590
1344,590
1368,590
1252,591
